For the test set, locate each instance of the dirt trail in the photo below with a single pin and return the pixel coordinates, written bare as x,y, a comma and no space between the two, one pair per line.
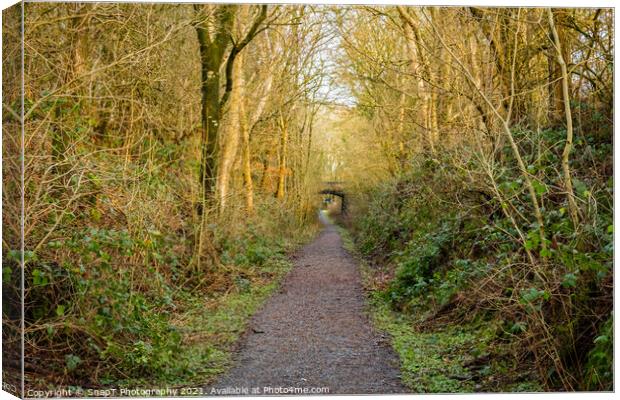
314,333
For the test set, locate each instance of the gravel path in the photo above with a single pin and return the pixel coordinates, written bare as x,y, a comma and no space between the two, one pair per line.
314,333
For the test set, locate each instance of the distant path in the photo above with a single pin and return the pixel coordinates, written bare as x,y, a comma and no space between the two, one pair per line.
314,332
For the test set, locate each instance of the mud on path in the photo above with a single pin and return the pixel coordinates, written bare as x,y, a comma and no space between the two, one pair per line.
314,332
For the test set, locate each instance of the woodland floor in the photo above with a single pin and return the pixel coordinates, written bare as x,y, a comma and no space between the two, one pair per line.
315,332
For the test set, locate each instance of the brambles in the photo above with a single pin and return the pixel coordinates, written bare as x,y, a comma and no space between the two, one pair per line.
467,267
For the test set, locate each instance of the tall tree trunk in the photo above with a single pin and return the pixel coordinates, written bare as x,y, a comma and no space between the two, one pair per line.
568,185
264,180
230,131
556,74
212,52
211,59
434,120
402,156
246,131
282,157
247,158
418,59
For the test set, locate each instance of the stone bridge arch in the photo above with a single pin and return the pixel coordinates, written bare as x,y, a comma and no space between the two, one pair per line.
339,193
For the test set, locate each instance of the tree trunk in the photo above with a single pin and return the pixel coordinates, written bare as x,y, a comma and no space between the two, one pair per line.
402,155
211,59
282,158
556,77
418,59
568,185
434,120
247,158
230,131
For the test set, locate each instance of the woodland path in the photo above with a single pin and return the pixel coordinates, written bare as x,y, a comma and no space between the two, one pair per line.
314,332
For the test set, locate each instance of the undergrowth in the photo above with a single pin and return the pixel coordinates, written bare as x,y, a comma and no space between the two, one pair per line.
157,327
444,359
113,297
475,300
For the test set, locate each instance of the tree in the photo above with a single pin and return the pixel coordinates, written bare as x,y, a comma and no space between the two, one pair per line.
565,82
214,51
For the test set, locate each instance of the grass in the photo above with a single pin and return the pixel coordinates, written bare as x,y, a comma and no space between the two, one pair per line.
210,324
440,359
431,361
211,329
139,316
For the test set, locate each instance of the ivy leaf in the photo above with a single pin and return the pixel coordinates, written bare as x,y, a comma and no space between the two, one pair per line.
72,361
579,186
533,240
60,310
569,280
6,274
530,295
518,327
38,277
29,256
545,252
14,255
539,187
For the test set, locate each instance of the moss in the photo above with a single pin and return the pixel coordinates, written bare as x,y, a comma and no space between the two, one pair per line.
444,359
430,361
209,329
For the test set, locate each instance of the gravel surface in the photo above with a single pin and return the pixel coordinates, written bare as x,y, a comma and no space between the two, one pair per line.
314,333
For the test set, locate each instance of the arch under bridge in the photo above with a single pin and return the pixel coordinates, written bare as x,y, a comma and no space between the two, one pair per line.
336,188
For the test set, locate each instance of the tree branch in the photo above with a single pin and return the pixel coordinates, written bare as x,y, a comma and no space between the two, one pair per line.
237,48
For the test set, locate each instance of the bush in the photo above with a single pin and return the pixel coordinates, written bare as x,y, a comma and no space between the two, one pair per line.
455,251
599,371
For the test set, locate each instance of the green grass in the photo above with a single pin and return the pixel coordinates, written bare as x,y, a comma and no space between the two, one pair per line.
210,325
211,331
431,362
163,325
434,360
